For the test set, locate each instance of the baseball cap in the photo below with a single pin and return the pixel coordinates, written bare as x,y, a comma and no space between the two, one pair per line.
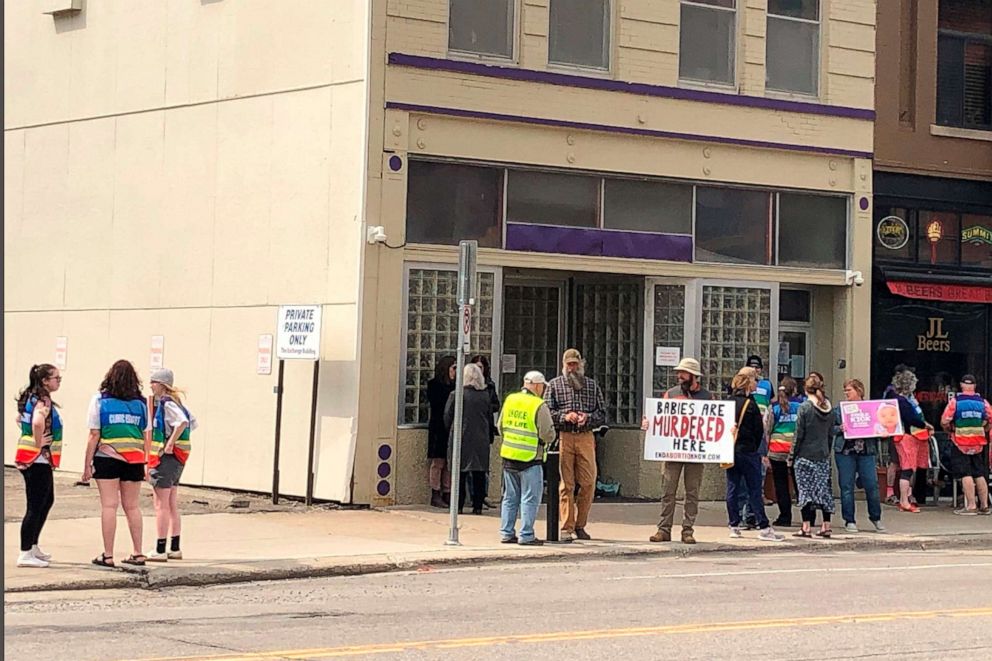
163,376
571,356
534,377
754,361
968,379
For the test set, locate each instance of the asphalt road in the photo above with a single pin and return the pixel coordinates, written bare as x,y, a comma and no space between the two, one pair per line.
906,605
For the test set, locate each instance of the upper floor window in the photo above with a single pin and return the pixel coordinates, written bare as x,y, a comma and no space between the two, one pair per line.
792,46
707,40
964,64
580,33
481,27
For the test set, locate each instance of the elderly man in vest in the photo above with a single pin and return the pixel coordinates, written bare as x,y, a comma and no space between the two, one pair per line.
688,373
577,407
967,418
527,429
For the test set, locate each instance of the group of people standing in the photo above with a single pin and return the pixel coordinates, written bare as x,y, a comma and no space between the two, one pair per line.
126,446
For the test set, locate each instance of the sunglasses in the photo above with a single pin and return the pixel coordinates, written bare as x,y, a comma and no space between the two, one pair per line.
57,378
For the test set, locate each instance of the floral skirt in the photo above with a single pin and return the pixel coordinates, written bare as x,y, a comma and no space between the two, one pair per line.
813,484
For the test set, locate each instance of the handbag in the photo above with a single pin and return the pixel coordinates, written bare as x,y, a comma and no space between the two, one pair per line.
740,419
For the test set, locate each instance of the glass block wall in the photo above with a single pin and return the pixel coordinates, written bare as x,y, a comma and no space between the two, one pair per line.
669,331
432,331
608,332
736,322
530,331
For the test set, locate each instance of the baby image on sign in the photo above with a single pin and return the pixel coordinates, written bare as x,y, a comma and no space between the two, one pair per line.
871,418
690,430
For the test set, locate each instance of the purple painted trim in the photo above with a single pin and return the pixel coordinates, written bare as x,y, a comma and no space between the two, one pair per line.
586,126
597,242
570,80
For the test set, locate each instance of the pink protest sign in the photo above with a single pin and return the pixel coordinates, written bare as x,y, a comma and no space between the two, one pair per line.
870,418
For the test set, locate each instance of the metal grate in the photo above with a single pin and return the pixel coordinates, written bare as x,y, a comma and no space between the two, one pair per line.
432,331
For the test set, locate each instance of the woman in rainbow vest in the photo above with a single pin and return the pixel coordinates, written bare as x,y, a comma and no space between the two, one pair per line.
967,418
855,459
116,454
171,425
38,452
783,431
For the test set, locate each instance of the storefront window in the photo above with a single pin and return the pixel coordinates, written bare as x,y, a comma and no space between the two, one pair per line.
449,202
976,241
547,198
733,226
812,231
737,322
608,330
938,237
669,331
432,331
648,206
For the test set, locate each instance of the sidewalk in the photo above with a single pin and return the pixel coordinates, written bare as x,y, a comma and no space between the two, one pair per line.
224,547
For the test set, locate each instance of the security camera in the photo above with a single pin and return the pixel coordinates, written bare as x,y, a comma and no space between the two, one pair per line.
855,278
376,234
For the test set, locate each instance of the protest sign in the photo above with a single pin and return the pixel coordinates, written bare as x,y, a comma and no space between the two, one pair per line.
690,430
870,418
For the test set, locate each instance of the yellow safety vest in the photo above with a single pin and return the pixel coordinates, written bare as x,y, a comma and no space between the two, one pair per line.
518,426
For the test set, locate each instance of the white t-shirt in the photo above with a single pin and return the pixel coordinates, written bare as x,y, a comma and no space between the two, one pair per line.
174,417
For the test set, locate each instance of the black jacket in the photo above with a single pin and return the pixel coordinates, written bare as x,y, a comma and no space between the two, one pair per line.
750,429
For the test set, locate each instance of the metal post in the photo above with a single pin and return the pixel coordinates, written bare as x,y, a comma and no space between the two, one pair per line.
466,281
313,428
552,472
275,452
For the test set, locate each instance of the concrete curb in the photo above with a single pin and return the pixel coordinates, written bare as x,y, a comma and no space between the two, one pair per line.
161,577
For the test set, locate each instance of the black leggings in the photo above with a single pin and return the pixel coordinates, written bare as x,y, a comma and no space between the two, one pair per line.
809,513
40,491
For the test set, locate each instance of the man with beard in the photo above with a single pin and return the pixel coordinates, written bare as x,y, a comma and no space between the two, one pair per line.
577,407
687,372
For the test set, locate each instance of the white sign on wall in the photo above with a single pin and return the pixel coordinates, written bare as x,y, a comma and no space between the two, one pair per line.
158,352
263,363
61,351
667,356
298,332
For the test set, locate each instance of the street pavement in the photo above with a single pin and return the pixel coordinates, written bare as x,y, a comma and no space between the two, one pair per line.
223,544
899,604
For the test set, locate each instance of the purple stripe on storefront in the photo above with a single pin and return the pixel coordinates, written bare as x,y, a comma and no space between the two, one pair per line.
643,89
607,128
598,243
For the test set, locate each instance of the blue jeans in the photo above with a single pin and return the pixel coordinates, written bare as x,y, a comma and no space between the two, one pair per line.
521,493
744,497
747,467
862,465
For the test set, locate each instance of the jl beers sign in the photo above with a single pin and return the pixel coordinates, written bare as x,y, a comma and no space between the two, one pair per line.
936,338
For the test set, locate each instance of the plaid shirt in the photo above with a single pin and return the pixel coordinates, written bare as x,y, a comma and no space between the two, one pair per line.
562,399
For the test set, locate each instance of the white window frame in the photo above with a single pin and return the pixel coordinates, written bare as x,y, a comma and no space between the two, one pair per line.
497,347
800,326
735,68
608,45
471,56
782,93
690,329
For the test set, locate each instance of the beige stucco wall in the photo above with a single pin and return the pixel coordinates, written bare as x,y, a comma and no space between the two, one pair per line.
181,169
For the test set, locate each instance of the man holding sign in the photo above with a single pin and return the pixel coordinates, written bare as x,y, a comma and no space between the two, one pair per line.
684,436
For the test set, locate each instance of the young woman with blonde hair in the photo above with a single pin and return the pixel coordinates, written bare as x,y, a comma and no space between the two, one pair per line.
171,426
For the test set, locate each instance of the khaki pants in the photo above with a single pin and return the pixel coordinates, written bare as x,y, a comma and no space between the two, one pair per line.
670,485
578,466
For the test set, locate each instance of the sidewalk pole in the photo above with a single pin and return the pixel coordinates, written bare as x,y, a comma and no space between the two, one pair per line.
313,428
466,287
275,452
552,474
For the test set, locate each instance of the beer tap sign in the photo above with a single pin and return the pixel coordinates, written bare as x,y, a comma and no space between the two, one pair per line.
935,232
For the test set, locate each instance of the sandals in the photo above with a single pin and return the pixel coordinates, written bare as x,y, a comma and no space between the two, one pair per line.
802,533
136,560
825,534
912,509
104,560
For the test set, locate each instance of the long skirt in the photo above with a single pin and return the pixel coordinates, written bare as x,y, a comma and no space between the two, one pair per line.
813,484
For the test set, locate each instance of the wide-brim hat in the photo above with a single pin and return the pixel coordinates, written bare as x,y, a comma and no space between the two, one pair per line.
690,365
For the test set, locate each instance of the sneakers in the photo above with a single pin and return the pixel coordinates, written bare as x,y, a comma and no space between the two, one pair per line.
735,532
769,535
878,526
660,536
41,555
509,540
28,559
532,542
565,536
892,500
851,527
687,537
155,556
966,512
175,555
580,533
985,511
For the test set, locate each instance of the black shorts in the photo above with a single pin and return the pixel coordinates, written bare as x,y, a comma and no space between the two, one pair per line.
969,465
105,468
